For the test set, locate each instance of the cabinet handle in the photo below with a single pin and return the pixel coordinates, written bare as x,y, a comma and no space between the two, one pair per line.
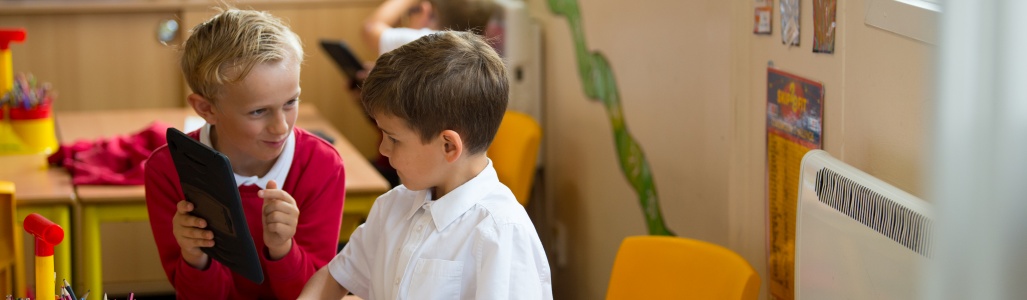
166,31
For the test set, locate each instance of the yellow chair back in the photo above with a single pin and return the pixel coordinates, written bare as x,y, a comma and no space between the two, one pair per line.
514,153
11,276
662,267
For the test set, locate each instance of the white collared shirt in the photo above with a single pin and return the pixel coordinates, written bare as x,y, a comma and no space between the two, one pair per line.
278,171
476,242
393,38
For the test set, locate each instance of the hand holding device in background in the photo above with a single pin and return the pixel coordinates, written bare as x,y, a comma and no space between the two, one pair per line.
344,57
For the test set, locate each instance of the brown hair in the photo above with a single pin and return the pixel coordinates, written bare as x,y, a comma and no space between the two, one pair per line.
463,15
446,80
225,48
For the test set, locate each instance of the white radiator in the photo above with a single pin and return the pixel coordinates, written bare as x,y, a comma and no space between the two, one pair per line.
856,236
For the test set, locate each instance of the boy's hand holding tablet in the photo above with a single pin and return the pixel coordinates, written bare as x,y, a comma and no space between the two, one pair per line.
191,233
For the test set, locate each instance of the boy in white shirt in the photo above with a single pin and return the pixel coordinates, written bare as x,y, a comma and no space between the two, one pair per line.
452,230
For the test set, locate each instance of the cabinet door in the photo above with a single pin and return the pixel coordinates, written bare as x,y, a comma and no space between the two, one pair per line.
99,60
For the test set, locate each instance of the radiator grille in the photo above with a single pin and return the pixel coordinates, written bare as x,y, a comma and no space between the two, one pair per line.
877,212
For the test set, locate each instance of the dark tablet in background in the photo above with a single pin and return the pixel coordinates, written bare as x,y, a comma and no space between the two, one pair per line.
208,182
345,59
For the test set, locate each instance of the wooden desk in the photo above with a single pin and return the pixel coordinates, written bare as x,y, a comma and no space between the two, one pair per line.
48,192
106,204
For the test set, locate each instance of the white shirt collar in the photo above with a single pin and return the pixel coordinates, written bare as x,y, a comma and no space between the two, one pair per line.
278,171
447,209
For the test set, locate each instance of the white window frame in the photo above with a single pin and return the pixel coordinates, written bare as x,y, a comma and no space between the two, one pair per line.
916,19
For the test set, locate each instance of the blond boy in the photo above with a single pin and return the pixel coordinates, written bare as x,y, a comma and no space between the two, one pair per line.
244,70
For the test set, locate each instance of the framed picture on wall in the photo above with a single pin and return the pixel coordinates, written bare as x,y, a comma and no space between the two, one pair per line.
790,22
762,13
824,25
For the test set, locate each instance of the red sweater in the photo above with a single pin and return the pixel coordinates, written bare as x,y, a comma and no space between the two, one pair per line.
317,182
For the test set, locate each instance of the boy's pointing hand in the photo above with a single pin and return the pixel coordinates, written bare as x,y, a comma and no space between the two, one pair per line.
280,217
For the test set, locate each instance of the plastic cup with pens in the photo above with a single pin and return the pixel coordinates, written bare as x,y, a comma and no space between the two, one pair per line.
28,115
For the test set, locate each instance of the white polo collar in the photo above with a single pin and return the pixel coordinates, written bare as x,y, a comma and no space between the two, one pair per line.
278,171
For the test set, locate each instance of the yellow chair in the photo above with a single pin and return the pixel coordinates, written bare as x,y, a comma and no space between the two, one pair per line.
514,153
662,267
12,276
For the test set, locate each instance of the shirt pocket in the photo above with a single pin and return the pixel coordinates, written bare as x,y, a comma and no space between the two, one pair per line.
436,279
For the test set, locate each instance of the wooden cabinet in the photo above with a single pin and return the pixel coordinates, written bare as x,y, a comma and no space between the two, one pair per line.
98,60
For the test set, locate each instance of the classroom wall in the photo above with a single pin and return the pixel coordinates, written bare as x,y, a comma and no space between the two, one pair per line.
692,79
670,59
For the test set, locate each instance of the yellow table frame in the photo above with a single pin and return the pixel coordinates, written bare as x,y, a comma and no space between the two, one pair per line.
355,211
89,263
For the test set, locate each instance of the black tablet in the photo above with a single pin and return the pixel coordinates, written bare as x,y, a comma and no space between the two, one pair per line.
208,182
344,57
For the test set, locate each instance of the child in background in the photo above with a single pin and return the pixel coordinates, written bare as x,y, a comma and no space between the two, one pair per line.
452,230
244,70
426,17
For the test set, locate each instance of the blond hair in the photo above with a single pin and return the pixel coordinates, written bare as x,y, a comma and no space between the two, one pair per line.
225,48
443,81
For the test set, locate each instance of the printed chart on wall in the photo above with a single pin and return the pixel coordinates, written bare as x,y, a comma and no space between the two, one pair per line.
795,114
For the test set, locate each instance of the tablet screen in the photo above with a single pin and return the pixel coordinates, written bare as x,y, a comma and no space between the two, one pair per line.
208,182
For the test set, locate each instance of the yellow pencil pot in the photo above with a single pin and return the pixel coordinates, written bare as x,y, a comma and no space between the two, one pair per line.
33,127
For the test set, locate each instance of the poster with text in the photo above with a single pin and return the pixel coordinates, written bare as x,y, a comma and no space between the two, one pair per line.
795,114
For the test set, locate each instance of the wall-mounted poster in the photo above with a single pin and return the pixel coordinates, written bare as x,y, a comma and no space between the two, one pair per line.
824,25
795,112
790,22
762,13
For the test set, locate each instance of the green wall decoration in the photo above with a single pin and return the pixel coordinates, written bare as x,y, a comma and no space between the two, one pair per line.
599,84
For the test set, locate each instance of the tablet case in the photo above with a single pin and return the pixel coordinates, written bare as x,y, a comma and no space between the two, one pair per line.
208,182
344,58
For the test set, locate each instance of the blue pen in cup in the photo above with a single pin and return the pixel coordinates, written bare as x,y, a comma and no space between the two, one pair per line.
70,291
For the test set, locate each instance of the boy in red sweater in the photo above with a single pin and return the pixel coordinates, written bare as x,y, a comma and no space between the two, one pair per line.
244,70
